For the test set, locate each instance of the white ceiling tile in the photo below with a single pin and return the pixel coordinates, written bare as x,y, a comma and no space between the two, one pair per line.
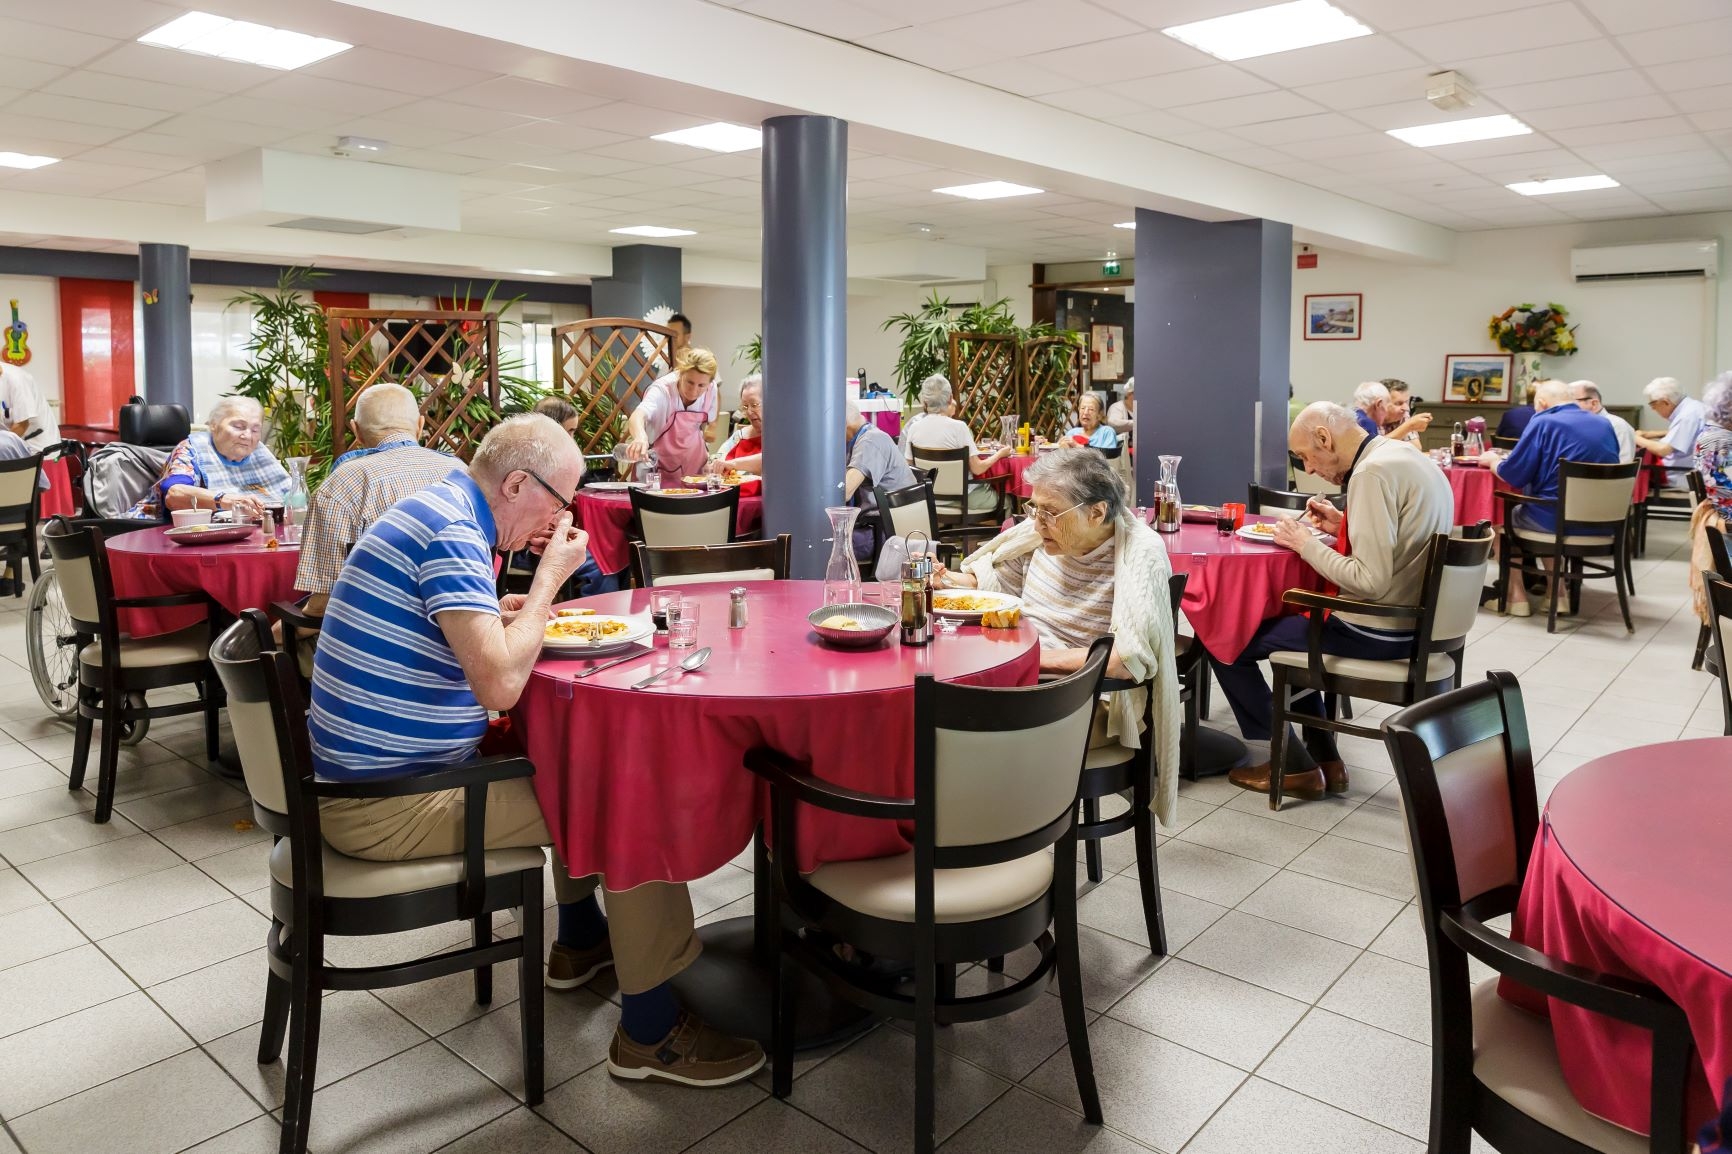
1716,121
524,97
272,113
1580,89
1548,165
1361,143
133,158
1621,16
1665,184
1210,140
1393,15
1653,146
1354,59
102,86
1682,42
1194,86
1301,128
437,161
946,54
31,74
1122,58
1490,66
627,119
194,149
350,99
370,66
1686,74
1539,27
167,66
645,151
1704,99
558,136
18,127
1630,130
78,111
1667,165
842,21
1506,146
462,118
1409,113
1168,13
40,42
1097,103
1252,109
1715,200
126,19
1019,77
76,178
925,11
182,188
236,133
1164,125
1365,92
1600,112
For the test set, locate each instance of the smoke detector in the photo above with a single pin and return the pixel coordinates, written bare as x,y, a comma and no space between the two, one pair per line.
364,147
1448,91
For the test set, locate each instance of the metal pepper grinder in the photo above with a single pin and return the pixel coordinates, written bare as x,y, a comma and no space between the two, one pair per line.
917,594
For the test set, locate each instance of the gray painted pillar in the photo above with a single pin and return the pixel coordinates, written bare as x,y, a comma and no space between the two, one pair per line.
165,270
805,329
644,276
1213,324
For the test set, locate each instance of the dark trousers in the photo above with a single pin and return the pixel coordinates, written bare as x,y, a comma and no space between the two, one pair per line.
1253,702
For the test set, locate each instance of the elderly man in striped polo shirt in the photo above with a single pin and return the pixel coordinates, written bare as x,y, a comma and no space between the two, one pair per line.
416,649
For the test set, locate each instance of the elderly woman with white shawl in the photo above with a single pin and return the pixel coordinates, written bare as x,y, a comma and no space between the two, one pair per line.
1084,566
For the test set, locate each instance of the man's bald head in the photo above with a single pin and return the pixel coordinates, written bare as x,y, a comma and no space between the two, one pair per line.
1551,392
1326,437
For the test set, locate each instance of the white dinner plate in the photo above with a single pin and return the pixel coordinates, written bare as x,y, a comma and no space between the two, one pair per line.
1002,601
638,629
1269,539
613,486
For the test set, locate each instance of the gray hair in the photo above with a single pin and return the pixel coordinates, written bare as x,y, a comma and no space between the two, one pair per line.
1717,399
755,381
230,405
386,408
1327,414
1396,385
851,415
1663,389
1081,478
935,393
529,442
1553,392
1100,402
1368,394
1590,391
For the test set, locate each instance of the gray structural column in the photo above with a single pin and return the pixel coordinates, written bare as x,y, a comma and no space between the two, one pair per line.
165,275
1213,327
805,272
644,276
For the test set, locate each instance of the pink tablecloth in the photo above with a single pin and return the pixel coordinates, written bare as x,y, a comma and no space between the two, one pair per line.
1235,585
606,517
1473,486
241,576
1014,467
57,499
650,785
1630,874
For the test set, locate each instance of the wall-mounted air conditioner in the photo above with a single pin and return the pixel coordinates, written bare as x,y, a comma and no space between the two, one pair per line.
1667,259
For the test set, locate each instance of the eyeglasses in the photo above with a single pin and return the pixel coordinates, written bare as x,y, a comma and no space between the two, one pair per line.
551,491
1042,517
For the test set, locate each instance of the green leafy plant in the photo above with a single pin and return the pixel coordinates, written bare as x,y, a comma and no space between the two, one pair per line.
752,352
926,335
286,364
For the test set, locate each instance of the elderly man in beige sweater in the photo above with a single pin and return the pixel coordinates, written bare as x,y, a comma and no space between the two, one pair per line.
1397,501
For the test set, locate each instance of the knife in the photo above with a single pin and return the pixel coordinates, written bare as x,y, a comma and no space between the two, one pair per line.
633,656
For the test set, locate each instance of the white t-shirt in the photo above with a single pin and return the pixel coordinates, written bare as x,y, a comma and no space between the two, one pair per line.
1626,437
23,401
660,404
936,431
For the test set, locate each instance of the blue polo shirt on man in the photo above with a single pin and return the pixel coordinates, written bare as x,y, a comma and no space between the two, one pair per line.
1366,423
1564,432
388,690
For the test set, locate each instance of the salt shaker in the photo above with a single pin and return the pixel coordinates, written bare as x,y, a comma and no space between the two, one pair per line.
736,608
267,524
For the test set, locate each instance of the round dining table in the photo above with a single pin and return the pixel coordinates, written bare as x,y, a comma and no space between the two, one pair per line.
606,516
650,785
1014,467
238,576
1474,487
1631,874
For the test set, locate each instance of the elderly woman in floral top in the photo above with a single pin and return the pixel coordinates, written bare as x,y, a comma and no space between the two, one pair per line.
1714,463
226,467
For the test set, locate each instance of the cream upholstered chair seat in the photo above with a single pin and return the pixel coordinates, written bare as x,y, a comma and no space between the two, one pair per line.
178,648
732,577
1438,666
1544,538
1516,1058
884,887
353,877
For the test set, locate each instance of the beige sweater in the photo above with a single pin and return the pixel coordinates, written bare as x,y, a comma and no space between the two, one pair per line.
1397,501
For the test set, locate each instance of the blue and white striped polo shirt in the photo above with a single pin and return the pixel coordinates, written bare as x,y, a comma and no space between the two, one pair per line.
387,688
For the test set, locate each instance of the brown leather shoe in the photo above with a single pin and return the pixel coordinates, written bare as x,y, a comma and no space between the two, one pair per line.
1334,776
1306,786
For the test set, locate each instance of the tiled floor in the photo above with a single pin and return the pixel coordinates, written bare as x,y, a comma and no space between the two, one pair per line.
1292,1014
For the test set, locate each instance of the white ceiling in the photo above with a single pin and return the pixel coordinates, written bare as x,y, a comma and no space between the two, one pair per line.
553,150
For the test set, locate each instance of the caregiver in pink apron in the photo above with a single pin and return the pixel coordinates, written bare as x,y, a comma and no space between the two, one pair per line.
671,418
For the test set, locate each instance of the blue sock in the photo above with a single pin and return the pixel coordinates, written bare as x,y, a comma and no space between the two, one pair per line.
648,1017
581,925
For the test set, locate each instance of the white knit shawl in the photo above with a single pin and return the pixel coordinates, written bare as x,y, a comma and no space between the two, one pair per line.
1142,627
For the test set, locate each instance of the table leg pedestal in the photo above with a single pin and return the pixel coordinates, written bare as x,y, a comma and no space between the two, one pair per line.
729,988
1218,752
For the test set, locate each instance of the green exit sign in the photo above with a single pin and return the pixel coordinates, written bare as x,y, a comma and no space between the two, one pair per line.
1110,268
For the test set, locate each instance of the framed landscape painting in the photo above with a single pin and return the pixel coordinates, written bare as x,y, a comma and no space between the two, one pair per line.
1333,316
1477,378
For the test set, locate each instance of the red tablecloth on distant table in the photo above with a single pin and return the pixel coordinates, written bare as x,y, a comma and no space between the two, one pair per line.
650,785
1473,486
1234,584
57,499
606,517
1014,467
1631,875
244,575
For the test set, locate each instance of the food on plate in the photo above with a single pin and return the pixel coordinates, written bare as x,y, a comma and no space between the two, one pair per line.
1001,618
967,602
1261,529
731,477
678,492
576,612
207,527
840,621
586,629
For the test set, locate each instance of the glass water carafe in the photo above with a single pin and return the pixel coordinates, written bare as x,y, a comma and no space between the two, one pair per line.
295,500
842,575
1007,429
1169,511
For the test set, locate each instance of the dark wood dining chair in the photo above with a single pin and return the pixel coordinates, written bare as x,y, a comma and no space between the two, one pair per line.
1498,442
993,869
1719,591
1590,541
913,509
20,508
712,564
953,484
695,519
1265,502
115,669
1703,657
317,892
1465,768
1447,607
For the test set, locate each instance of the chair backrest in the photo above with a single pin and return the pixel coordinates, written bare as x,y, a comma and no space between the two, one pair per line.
117,476
702,519
1719,591
1265,502
163,426
949,469
1717,547
1113,453
19,492
1593,494
235,653
81,568
1498,442
1698,487
1460,580
996,771
714,564
1313,485
907,510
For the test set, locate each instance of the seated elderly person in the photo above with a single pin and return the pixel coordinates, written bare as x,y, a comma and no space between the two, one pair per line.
1683,416
873,460
744,448
1587,395
1397,502
1400,423
1560,431
560,411
1375,409
416,650
1089,429
1714,462
226,467
1084,566
937,428
1516,417
390,465
1122,413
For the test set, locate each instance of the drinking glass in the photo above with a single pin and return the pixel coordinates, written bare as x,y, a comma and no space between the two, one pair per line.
1237,508
948,625
661,600
1224,521
683,625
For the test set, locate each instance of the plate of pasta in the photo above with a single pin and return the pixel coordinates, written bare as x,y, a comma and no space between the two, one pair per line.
594,633
971,605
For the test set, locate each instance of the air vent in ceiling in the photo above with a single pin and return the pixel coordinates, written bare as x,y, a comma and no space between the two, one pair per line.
326,224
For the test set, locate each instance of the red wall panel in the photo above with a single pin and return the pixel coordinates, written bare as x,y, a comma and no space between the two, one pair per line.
96,350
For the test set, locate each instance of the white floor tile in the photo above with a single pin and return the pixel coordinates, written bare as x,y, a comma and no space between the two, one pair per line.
260,1136
1384,992
187,942
1322,907
16,893
609,1116
141,901
1366,1071
1306,1126
218,999
1269,955
774,1125
1356,864
520,1132
1021,1121
84,1049
35,932
32,843
160,1109
44,805
60,984
577,1024
1270,842
415,1102
1200,872
100,865
1404,939
1229,1020
356,1031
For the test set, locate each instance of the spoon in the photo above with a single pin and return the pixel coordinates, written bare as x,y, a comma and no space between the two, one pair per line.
695,661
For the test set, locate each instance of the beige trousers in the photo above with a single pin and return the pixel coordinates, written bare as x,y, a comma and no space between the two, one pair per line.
651,926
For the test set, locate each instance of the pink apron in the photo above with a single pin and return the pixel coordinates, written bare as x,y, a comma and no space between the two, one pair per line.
680,450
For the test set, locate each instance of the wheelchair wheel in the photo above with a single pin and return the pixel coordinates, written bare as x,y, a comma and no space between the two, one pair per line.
53,648
132,732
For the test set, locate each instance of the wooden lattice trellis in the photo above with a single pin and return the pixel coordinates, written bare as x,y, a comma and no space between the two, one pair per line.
604,366
447,358
995,375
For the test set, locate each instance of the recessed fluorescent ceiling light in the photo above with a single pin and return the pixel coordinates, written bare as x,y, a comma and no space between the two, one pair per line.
1263,31
989,190
652,230
1130,224
25,160
718,137
1461,131
1562,184
242,40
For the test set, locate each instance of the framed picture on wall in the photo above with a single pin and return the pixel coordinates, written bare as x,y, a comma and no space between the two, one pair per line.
1107,352
1333,316
1477,378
